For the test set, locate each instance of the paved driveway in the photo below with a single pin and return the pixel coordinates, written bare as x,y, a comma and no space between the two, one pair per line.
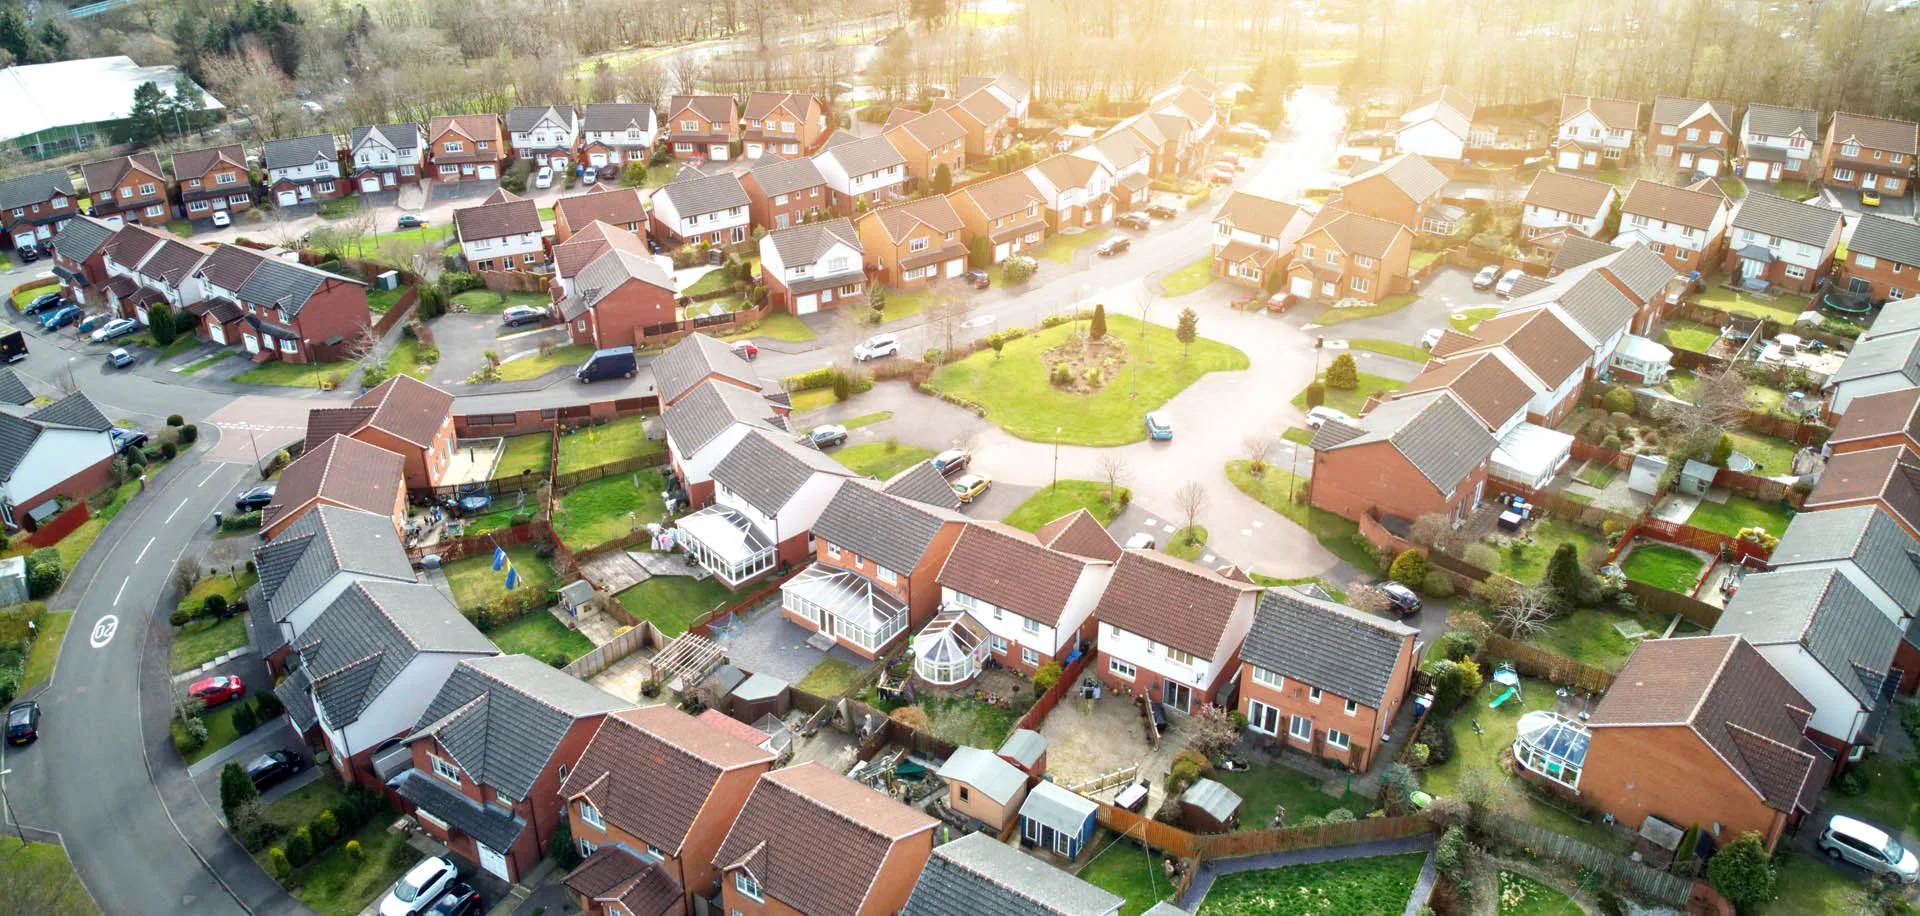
1446,293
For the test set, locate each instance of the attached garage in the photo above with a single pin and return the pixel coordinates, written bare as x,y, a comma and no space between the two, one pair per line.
253,343
369,184
1756,169
487,173
216,333
597,159
806,305
1569,159
755,150
23,237
955,267
1301,287
717,152
1002,251
286,198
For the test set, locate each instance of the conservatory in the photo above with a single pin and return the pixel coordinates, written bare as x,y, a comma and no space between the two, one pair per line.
1552,746
951,649
844,604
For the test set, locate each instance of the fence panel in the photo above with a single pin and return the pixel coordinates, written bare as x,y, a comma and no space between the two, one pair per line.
1164,837
1285,839
1533,661
1660,601
1069,680
1642,880
564,483
621,646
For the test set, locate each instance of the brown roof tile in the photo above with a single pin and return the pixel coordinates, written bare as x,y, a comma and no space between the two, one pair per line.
1547,346
410,409
931,130
342,471
1693,209
1569,193
324,423
474,127
1357,234
498,220
1482,381
762,103
1081,534
936,213
815,840
1890,474
195,163
1875,133
1889,413
714,108
1616,114
1171,601
1009,568
1260,215
581,248
1005,196
650,770
108,173
618,206
614,875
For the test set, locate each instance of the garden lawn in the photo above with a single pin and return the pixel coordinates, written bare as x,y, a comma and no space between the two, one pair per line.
540,635
1129,871
531,452
335,885
474,582
1271,785
1061,499
292,375
1685,335
535,365
958,719
1889,801
1597,474
43,869
1061,248
1808,885
1548,535
1348,887
1740,512
596,512
1351,401
812,399
1471,318
1410,352
1523,896
1187,543
830,678
1794,189
1189,279
220,731
46,648
1588,636
907,305
202,641
1772,454
21,298
198,365
881,459
1385,306
299,807
1335,533
1664,567
1785,309
710,283
675,603
867,419
381,301
406,360
75,544
776,326
1420,259
481,301
607,443
1016,394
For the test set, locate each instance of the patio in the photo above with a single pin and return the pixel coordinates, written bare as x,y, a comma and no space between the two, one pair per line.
765,642
1087,739
472,461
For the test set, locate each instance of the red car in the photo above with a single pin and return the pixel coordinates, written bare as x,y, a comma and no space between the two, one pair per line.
746,350
214,691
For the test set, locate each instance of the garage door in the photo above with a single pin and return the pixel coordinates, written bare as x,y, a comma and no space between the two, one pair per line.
597,160
1002,251
287,198
218,333
493,862
23,238
754,150
369,184
806,305
1710,167
1301,287
253,344
1569,159
954,267
486,172
718,152
1756,170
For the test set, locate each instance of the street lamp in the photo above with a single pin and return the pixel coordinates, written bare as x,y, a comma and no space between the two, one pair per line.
17,829
1056,459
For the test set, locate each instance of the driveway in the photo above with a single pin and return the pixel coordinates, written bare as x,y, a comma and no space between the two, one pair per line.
1448,292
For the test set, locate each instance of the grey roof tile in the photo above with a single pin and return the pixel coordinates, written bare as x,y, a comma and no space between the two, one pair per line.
493,827
785,176
12,389
1439,437
1679,111
1578,250
1883,355
1644,273
295,152
1822,611
706,412
321,543
35,188
399,137
766,469
1867,535
692,360
75,411
864,156
710,194
1341,650
895,532
363,640
1888,239
279,284
502,718
921,483
976,875
1775,121
1218,801
81,238
522,118
807,243
16,440
604,117
1788,219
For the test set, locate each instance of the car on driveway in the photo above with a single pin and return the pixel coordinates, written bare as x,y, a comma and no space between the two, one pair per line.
409,221
255,499
971,486
222,219
827,435
1487,277
61,317
1504,288
23,722
589,175
216,690
747,350
459,900
1860,843
1141,541
1134,220
273,767
1870,198
115,329
419,887
124,439
1323,413
1113,246
45,302
976,278
517,315
1401,601
1159,425
952,461
29,254
877,346
1162,211
1432,337
119,358
544,178
93,322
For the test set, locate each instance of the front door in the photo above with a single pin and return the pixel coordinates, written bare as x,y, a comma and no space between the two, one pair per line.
306,192
1329,290
1592,158
493,862
1686,160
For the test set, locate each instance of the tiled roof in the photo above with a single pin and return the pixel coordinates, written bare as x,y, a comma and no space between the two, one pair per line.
896,533
584,245
693,359
977,876
1080,534
343,471
613,117
75,411
710,194
1866,535
614,206
410,409
194,163
81,238
616,874
1569,193
1644,273
1693,209
1890,474
473,126
523,118
763,103
717,109
777,176
709,408
1171,601
807,243
1259,215
497,220
108,173
1893,240
501,718
285,285
12,389
1888,134
1775,121
1416,177
1615,114
983,770
766,470
1009,568
608,272
931,130
1004,196
1442,439
172,261
398,137
1482,381
921,483
1357,234
1888,413
863,156
1822,611
984,107
321,544
35,188
1540,341
495,828
650,770
131,243
1681,111
298,152
229,266
16,440
1064,172
1346,652
936,213
1887,355
1788,219
369,634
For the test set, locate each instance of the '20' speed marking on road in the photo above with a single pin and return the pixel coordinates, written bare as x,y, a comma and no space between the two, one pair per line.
103,631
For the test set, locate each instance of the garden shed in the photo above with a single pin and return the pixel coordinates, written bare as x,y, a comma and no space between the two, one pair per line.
984,787
1056,819
760,695
1696,478
1026,749
1209,807
1644,478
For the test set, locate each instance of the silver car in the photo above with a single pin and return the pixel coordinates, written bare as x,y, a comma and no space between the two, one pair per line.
1870,848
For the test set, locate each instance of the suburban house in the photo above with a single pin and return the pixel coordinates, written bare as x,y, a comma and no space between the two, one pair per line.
1883,258
147,266
277,309
1171,629
1691,136
974,875
1595,133
1707,706
1130,159
302,169
1822,631
616,298
544,134
308,565
384,156
818,265
1871,154
1324,678
982,786
649,802
1776,143
35,207
1009,89
343,472
1782,242
80,257
583,246
909,246
1547,349
402,415
1254,237
1345,255
483,767
1406,458
616,133
1562,200
501,233
771,861
1685,227
369,665
872,578
704,425
696,208
1887,477
695,359
623,208
1866,545
862,173
61,452
207,181
1437,124
703,126
985,118
1575,252
1076,191
929,141
127,189
786,192
467,147
1490,382
1401,190
767,493
785,124
1005,211
1877,421
1033,603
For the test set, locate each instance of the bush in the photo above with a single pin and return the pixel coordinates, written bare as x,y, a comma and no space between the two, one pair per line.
1182,774
193,734
181,617
326,827
174,419
565,852
1343,374
236,789
214,606
168,450
1742,872
1316,394
1455,645
1437,584
1722,451
189,433
1019,270
244,718
252,828
356,855
1451,855
1419,755
1618,400
1438,737
245,521
1409,568
300,847
44,572
1046,676
278,863
980,252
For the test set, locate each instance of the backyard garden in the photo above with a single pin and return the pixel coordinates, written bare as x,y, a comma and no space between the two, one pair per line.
612,507
607,443
1347,887
1129,870
675,603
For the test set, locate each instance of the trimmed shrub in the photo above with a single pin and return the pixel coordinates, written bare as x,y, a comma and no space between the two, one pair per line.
326,827
1316,394
1409,568
1438,738
175,419
1343,374
236,790
356,855
1046,676
1436,584
1618,400
278,863
300,847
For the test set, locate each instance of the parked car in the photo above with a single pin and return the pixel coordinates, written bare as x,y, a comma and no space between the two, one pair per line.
1504,288
1861,843
1280,302
409,221
419,887
1232,159
517,315
119,358
1134,219
124,439
1113,246
827,435
1323,413
589,175
115,329
1401,600
255,499
1487,277
45,302
273,767
1159,425
971,486
1162,211
312,107
459,900
609,363
952,461
61,317
544,178
747,350
877,346
978,279
1430,338
216,690
222,219
93,322
1141,541
23,722
1869,197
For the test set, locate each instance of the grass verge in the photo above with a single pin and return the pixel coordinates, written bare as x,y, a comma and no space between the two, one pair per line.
1385,306
1061,499
881,459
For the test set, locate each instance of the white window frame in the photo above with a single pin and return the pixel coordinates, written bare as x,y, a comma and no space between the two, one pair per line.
1339,740
445,769
1313,694
1122,668
748,887
1257,715
590,816
1353,708
1029,657
1267,678
1294,728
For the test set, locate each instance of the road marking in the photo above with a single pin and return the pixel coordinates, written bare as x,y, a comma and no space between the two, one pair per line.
1246,532
210,475
103,631
143,552
1259,524
176,511
122,591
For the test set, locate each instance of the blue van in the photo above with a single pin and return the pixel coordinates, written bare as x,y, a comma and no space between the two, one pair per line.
614,362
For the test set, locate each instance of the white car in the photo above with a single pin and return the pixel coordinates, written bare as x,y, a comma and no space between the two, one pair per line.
222,219
1322,414
877,346
419,888
312,107
543,178
1869,847
1430,338
1504,288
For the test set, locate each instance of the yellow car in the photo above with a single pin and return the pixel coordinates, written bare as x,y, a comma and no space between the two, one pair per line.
971,486
1870,198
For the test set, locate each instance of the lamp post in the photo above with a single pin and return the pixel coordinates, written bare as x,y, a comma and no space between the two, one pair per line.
9,805
1056,459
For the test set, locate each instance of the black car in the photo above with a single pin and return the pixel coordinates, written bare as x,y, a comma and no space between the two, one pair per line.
1113,246
1134,220
1162,211
254,499
45,302
274,767
23,722
409,221
29,253
126,440
458,900
1401,600
977,279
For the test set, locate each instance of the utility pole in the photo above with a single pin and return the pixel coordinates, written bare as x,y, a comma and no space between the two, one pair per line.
1056,459
17,829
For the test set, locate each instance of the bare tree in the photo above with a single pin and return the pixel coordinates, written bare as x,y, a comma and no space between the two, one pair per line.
1212,731
280,229
360,225
1429,529
362,344
251,82
1114,471
1718,402
186,573
949,314
1191,500
1525,610
1258,448
686,70
1365,597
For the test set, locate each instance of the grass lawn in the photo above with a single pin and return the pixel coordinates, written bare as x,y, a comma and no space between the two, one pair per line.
1189,279
1685,335
1410,352
868,419
1523,896
44,869
1187,543
1385,306
1548,535
46,648
75,544
405,359
540,635
881,459
831,678
961,720
198,365
220,731
602,510
202,641
1130,871
335,885
1471,318
531,452
1740,512
381,301
21,298
1732,186
1061,499
1017,395
812,399
675,603
607,443
1349,887
1772,454
481,301
1061,248
1807,885
536,364
1794,189
1351,401
1298,436
907,305
1420,259
1890,798
711,282
396,249
1785,309
178,345
1588,636
1333,532
292,375
298,808
474,581
1597,474
777,326
1662,566
1269,786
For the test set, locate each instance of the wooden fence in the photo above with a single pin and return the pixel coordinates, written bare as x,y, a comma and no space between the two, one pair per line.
565,483
1286,839
52,530
1712,542
455,548
1616,869
1069,681
514,281
538,419
1660,601
1164,837
402,309
641,635
1556,669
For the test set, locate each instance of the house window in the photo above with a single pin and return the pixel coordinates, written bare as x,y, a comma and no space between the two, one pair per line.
917,245
445,770
1338,739
1352,707
1864,261
1693,134
590,816
656,852
1306,252
325,187
1796,272
1313,694
196,206
1029,657
1361,284
747,887
1122,669
1263,718
223,178
1300,729
1668,130
833,551
481,144
1361,260
145,190
586,848
1849,149
964,794
1000,645
1842,174
193,182
1896,293
1713,136
1178,657
885,575
1030,625
1268,678
455,146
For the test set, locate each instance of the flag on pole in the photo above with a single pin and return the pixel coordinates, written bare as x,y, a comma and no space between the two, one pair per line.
499,558
513,577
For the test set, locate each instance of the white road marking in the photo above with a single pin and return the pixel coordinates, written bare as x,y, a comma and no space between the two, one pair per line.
1167,528
176,511
210,475
122,591
143,552
1259,524
1153,523
103,631
1207,559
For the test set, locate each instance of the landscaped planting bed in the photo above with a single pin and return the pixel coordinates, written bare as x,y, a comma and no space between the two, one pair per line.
1060,499
1349,887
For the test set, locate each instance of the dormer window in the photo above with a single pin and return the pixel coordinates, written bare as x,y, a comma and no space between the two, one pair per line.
747,887
445,770
590,816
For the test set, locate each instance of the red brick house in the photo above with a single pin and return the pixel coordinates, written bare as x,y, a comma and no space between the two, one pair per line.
1401,190
1323,678
1344,255
621,207
771,864
1184,660
1595,133
582,247
1007,211
207,181
467,147
703,126
280,309
127,189
483,767
818,265
80,258
1253,237
1407,458
1879,420
1870,154
1686,227
615,298
929,141
872,578
911,245
1887,477
695,359
650,802
502,233
786,192
1032,594
1883,258
348,473
985,118
784,124
1787,243
402,415
1692,136
35,207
